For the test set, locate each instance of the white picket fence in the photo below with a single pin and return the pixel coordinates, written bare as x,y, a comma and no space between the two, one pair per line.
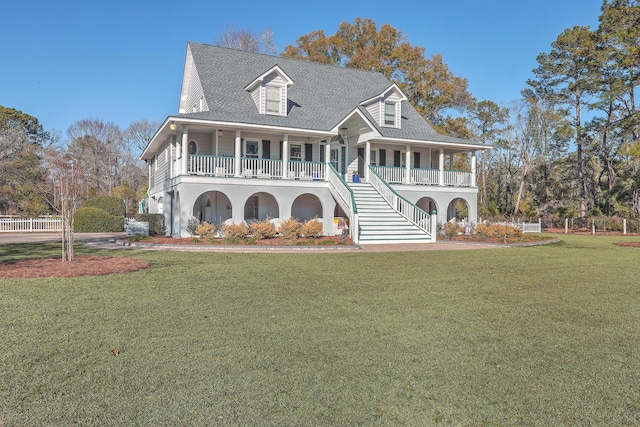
43,224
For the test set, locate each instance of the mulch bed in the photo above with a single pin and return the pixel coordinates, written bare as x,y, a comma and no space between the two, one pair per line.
80,266
276,241
629,244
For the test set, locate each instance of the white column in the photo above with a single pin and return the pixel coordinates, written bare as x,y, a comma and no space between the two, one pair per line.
441,167
285,156
184,168
407,165
367,160
327,159
214,141
238,154
473,169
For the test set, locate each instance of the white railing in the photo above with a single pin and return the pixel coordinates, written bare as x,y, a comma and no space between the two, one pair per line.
45,224
340,187
261,168
457,178
425,176
307,170
211,165
411,212
391,174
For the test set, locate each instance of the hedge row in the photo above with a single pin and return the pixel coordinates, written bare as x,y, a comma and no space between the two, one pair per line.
94,220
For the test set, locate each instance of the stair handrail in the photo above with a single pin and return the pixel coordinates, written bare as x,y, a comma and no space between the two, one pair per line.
346,194
404,207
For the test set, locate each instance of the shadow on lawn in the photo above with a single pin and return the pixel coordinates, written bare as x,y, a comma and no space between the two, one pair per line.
13,252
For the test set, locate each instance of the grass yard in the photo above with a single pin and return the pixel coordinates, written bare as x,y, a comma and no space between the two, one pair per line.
546,335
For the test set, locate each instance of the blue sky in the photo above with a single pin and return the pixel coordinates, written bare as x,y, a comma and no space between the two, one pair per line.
122,61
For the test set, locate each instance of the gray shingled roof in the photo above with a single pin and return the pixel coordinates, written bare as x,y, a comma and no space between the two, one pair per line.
320,97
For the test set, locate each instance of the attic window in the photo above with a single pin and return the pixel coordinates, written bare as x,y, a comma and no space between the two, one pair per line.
273,100
389,114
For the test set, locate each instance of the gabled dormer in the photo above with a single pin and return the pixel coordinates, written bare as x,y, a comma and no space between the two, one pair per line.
386,108
269,91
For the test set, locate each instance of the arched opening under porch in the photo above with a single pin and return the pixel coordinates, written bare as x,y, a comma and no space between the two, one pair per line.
260,206
306,207
427,204
458,210
213,207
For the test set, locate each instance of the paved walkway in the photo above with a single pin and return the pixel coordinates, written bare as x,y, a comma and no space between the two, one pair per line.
108,241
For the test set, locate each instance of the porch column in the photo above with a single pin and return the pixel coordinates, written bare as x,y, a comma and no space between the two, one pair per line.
184,168
327,160
473,169
367,160
238,154
407,165
285,156
214,142
441,167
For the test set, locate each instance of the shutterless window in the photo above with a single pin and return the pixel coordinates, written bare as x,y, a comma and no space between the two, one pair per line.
273,100
390,114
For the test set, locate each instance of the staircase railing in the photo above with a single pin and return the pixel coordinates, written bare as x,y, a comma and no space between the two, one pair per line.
411,212
345,193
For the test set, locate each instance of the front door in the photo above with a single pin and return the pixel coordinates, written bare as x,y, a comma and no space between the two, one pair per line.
335,158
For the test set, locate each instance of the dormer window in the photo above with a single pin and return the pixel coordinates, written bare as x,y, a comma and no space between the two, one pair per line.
272,100
389,113
270,90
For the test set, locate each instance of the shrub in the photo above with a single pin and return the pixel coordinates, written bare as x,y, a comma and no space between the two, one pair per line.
290,228
235,232
192,225
94,220
112,205
451,230
156,223
497,231
311,228
205,229
262,230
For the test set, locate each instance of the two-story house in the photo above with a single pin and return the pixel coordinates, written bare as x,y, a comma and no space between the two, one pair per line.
260,136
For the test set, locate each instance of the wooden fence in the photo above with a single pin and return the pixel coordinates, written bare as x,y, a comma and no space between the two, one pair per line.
43,224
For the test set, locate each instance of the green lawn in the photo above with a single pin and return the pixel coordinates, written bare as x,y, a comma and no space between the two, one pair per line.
546,335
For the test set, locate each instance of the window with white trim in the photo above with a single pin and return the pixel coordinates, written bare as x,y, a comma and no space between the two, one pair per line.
389,114
295,152
251,149
272,95
373,157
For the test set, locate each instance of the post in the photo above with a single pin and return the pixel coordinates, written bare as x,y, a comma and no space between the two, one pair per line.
566,226
473,169
407,164
327,159
593,227
441,167
285,156
367,160
434,225
624,226
238,154
185,151
540,225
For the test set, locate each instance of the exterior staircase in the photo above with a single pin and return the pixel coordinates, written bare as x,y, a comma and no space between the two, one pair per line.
379,223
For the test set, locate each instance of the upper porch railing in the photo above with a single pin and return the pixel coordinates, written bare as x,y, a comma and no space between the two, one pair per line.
398,175
225,166
255,168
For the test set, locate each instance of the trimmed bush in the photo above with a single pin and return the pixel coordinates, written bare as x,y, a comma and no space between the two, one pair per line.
235,231
205,229
311,229
451,229
290,228
262,230
112,205
94,220
156,223
497,231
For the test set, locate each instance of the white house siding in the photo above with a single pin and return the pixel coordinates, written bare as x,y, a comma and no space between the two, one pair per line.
194,93
374,109
276,198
